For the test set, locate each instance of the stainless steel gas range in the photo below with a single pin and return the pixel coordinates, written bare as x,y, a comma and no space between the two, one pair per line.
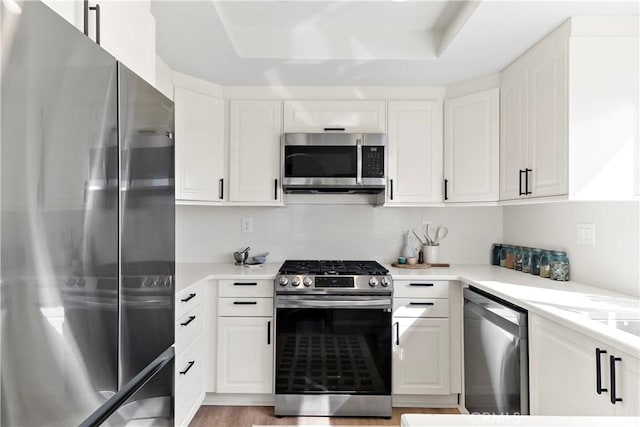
333,339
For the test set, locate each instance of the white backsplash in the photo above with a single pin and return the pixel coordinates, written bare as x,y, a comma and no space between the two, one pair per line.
211,234
612,263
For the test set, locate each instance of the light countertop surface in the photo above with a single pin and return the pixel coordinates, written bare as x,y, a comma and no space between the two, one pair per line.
572,304
442,420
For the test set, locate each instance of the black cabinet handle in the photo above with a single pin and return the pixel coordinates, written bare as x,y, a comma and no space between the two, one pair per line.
245,284
397,333
391,189
421,303
520,192
612,366
421,284
526,181
334,129
275,189
191,319
269,332
446,184
221,188
86,9
599,388
190,365
245,303
189,298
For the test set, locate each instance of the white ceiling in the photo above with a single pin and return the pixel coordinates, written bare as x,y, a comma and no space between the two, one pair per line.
357,43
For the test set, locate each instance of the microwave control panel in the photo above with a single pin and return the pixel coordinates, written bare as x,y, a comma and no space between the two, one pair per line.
372,161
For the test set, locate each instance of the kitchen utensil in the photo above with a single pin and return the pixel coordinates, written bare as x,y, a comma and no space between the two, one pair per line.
431,254
259,259
241,257
438,234
418,237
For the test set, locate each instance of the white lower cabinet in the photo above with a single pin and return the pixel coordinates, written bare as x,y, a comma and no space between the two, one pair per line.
567,369
421,356
245,355
189,385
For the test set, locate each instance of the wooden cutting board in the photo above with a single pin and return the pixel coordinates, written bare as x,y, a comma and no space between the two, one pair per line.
418,266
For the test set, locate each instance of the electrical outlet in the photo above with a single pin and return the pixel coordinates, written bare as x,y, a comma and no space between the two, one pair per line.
586,233
246,225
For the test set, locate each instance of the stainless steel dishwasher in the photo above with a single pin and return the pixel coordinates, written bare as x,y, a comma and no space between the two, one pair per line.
496,361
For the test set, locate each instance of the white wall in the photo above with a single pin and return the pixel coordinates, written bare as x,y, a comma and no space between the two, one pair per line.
613,262
211,234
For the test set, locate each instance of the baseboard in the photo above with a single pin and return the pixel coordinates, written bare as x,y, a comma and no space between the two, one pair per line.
238,399
430,401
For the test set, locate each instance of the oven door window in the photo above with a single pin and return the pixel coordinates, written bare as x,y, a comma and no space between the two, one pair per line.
320,161
328,351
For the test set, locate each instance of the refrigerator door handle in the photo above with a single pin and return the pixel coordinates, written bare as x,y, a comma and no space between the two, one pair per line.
129,389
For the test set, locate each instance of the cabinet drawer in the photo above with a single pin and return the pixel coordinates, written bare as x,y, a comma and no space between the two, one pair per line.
245,307
420,307
421,288
189,327
189,385
245,288
188,298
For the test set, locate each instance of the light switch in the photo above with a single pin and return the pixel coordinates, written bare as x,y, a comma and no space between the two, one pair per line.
586,233
246,225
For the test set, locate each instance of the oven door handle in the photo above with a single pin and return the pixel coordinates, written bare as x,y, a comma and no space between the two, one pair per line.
334,303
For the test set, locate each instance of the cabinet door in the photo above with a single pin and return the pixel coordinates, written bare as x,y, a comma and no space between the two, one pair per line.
562,372
421,356
128,32
472,147
514,112
254,151
316,116
415,152
189,385
71,10
199,146
548,132
245,355
627,384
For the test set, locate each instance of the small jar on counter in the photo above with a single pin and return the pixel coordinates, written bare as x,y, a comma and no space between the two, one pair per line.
526,260
503,255
559,266
517,258
511,257
545,259
536,254
495,253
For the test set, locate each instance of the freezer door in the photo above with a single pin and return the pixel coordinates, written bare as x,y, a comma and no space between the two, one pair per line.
59,214
147,212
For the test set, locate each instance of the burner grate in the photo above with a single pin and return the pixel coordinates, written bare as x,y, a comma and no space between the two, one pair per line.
326,363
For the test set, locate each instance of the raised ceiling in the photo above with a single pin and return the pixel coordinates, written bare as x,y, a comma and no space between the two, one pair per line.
357,43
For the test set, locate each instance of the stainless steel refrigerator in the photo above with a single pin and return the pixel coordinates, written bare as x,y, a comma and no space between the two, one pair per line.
87,231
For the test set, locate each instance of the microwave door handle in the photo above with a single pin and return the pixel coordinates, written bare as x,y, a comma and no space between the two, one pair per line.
359,161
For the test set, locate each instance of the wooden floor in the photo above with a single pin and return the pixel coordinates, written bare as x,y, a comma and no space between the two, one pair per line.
247,416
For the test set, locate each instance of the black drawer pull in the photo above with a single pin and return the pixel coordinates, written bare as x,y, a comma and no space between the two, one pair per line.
191,363
421,284
599,388
421,303
245,284
191,319
189,298
245,302
334,129
269,332
612,366
397,333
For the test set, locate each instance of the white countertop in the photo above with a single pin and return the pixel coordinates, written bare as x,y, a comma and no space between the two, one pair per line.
442,420
569,303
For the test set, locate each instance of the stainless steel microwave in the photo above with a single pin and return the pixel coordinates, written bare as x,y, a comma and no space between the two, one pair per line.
334,162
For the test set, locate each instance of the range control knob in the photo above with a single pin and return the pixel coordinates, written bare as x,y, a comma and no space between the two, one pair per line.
295,281
283,281
373,282
307,282
385,282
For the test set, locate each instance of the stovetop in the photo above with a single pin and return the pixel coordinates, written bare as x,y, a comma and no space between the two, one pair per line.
333,267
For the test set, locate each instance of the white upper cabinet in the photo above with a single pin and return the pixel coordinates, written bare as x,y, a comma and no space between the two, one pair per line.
472,147
415,153
71,10
254,152
569,114
200,147
348,116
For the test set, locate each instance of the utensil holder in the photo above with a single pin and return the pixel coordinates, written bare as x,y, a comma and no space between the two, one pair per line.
431,254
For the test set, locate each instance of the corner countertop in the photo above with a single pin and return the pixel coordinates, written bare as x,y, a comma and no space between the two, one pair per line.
574,305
